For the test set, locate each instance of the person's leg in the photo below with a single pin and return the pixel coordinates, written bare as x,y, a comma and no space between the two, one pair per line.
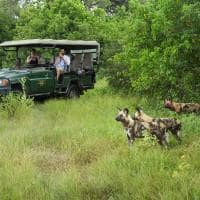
57,73
61,75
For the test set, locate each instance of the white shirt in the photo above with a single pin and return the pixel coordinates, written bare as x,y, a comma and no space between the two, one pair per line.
63,62
67,59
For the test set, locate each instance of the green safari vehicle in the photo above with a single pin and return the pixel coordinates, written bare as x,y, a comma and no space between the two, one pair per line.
40,79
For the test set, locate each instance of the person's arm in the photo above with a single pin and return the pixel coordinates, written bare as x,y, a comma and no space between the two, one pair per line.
28,60
57,61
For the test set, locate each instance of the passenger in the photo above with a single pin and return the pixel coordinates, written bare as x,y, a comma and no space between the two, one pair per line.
62,63
33,59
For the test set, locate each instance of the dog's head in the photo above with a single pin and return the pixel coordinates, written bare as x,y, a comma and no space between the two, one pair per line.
138,114
122,115
141,116
168,103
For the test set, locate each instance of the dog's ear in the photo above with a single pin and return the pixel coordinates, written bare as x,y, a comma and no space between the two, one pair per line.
170,99
126,111
168,102
138,108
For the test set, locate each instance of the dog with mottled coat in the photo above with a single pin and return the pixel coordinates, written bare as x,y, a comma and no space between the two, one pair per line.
160,127
182,107
129,125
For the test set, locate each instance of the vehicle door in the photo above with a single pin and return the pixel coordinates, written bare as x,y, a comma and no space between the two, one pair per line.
42,81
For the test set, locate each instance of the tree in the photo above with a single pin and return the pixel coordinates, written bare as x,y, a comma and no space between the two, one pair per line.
161,50
9,11
51,19
109,6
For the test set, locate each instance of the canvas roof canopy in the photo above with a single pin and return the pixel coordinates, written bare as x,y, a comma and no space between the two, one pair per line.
68,44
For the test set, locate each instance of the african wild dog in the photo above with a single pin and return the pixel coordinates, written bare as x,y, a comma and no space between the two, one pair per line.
182,107
153,129
129,125
159,126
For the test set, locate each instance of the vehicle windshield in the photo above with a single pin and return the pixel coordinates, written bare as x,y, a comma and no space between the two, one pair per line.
26,57
36,57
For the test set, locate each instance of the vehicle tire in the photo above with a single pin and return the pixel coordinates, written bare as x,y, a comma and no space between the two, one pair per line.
73,92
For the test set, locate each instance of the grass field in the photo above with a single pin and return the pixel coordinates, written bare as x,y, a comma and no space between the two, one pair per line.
74,149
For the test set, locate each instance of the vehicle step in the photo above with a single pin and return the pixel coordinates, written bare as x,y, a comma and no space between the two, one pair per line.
60,92
59,85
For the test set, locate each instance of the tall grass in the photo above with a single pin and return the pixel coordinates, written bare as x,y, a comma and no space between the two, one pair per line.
74,149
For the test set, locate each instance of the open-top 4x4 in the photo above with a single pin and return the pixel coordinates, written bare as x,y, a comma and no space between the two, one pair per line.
40,79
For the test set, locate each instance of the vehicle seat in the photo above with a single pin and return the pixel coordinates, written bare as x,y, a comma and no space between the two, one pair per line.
87,61
77,63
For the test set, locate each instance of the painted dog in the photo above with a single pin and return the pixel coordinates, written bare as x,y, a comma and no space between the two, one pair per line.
182,107
160,127
129,125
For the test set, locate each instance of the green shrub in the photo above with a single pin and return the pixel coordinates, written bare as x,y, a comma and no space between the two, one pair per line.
160,55
15,104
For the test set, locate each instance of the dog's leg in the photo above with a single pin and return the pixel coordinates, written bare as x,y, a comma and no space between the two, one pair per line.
166,137
162,136
176,132
178,136
130,136
129,140
163,142
132,140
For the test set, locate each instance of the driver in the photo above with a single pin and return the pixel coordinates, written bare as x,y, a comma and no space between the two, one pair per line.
33,59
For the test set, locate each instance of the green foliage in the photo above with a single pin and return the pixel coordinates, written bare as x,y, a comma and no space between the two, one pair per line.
109,6
161,53
16,104
9,10
24,89
54,19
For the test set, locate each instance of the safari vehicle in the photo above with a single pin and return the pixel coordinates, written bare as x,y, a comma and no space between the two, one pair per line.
41,78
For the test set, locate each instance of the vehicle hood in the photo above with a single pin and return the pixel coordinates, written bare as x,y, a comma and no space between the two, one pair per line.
13,74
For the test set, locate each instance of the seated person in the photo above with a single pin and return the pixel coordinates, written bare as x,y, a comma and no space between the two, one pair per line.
33,59
62,63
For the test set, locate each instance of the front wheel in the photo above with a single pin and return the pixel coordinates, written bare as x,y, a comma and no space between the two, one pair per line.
73,92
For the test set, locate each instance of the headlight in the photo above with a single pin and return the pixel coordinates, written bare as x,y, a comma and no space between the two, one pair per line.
4,82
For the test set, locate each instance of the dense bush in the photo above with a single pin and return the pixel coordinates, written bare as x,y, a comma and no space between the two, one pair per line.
16,103
160,56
